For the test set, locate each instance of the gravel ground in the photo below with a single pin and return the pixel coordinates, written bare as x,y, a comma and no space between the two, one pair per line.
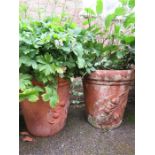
80,138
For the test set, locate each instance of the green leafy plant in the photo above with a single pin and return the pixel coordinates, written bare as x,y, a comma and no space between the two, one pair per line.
51,48
48,49
115,44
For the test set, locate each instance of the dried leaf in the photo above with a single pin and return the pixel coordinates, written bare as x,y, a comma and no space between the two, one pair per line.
24,133
27,139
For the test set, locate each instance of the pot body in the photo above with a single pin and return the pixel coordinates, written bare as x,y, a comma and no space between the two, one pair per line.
106,95
41,119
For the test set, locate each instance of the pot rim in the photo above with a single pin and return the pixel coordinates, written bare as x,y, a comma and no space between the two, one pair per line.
111,75
113,70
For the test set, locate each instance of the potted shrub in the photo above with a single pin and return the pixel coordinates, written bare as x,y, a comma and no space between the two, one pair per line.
48,59
106,89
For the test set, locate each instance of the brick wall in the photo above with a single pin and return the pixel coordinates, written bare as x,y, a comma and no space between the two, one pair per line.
41,8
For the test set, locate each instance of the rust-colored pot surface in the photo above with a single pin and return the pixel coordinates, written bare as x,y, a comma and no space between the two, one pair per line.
106,95
41,119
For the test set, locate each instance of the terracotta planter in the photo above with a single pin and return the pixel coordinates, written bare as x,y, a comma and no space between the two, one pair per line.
106,95
41,119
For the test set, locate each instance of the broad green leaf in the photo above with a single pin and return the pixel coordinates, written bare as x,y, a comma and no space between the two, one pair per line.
131,3
117,29
119,11
99,6
129,39
124,2
89,11
130,20
109,20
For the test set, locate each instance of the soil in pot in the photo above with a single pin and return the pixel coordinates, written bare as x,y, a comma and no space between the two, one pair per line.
106,95
41,119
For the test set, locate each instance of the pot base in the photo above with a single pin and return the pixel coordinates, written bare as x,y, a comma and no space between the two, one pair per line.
92,121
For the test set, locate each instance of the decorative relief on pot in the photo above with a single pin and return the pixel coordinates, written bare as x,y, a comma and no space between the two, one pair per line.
57,114
108,111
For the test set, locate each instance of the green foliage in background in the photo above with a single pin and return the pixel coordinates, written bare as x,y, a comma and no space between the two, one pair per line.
115,35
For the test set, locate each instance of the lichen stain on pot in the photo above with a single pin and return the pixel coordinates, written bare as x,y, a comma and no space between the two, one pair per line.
106,100
41,119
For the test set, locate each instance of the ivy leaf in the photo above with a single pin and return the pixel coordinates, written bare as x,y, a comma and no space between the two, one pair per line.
60,70
53,100
108,63
33,98
51,96
78,49
34,64
120,54
44,38
28,61
31,94
81,62
47,69
24,81
46,64
66,49
46,97
99,6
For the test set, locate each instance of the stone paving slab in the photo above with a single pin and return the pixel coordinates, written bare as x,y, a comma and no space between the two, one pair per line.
80,138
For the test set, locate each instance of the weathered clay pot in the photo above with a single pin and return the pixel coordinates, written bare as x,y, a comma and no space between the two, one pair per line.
106,95
41,119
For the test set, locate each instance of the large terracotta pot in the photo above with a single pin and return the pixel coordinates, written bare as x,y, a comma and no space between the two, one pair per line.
41,119
106,95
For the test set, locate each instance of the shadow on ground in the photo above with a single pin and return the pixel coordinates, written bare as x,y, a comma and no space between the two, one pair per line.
80,138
